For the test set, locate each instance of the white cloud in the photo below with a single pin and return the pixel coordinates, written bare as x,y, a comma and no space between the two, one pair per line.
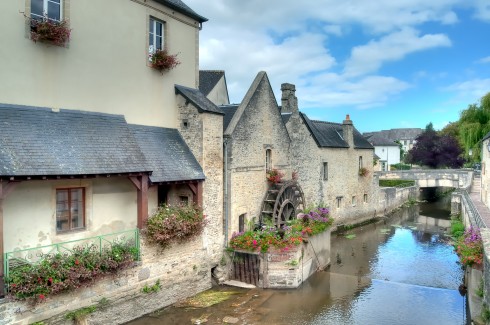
482,8
484,60
470,90
369,58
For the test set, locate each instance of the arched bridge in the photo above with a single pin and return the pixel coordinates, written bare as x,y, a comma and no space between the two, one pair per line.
457,178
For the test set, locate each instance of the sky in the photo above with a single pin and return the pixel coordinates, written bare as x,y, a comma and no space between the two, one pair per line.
386,63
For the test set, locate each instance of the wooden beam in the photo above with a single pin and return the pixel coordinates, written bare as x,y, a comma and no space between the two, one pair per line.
197,190
141,183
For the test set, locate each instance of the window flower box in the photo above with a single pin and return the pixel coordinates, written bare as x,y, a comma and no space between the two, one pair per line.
162,61
50,31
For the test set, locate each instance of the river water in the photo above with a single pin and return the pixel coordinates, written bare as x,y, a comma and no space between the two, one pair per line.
400,271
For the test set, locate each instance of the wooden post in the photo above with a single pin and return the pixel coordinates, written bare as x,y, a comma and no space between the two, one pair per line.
141,184
197,189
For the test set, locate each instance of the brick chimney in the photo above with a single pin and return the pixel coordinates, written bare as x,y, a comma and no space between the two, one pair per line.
289,101
348,131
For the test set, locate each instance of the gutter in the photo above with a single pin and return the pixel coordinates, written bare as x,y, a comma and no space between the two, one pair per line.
226,201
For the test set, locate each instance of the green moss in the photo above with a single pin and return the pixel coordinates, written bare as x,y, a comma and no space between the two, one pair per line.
79,314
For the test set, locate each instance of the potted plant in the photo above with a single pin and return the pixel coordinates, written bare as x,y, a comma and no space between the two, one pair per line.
50,31
162,61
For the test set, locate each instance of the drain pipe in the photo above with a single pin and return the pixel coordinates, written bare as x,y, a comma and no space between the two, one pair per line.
226,201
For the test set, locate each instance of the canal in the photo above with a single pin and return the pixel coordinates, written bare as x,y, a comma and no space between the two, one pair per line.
400,270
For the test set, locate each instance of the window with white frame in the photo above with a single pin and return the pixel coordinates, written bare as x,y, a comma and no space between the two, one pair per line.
268,159
50,9
325,171
155,35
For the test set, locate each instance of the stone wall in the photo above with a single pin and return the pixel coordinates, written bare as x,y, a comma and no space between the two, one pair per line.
288,269
203,133
183,271
256,127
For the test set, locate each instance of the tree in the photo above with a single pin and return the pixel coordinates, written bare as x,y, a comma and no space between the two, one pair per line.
436,151
474,123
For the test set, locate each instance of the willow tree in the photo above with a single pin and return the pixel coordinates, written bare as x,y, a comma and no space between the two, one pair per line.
474,123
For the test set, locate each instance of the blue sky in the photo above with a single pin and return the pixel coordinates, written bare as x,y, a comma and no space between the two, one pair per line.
389,64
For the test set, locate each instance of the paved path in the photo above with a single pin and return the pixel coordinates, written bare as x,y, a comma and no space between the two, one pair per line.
475,197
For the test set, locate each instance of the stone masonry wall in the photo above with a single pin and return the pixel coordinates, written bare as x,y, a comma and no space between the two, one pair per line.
259,128
203,133
183,271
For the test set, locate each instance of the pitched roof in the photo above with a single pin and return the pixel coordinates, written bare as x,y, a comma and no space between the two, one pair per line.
198,99
230,111
398,134
181,7
330,135
38,141
208,80
167,154
378,139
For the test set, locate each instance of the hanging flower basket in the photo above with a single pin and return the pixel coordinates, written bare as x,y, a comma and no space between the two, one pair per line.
363,171
50,31
162,61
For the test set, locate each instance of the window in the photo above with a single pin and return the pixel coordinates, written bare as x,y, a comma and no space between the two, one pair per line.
268,159
156,35
51,9
241,223
339,202
325,171
70,209
360,162
365,198
353,201
183,200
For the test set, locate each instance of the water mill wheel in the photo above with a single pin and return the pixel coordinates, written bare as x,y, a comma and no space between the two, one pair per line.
282,203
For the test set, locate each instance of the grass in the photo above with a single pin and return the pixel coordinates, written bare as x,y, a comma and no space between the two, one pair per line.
396,183
153,288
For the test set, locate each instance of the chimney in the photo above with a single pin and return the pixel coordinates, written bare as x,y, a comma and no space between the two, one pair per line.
348,131
289,101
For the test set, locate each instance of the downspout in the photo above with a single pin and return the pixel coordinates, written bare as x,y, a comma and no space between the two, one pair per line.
226,201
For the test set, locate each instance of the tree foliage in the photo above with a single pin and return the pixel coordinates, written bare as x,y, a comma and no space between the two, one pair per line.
436,151
474,123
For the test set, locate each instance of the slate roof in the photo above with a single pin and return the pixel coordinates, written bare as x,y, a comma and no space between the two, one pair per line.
230,111
167,154
198,99
398,134
40,142
208,80
330,135
378,139
181,7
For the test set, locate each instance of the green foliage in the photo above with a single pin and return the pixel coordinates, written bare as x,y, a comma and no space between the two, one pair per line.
396,183
479,291
58,272
485,313
474,123
153,288
400,166
38,323
80,314
162,61
46,30
363,171
175,224
457,227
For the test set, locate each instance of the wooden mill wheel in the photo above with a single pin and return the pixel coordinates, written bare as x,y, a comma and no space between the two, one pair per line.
282,203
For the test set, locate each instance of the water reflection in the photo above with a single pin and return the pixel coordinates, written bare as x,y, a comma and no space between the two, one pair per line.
397,271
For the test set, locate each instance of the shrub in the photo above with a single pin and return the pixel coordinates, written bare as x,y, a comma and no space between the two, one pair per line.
162,61
46,30
396,183
469,247
363,171
58,272
175,224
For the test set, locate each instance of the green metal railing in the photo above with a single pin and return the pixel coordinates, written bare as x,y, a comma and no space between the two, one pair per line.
101,243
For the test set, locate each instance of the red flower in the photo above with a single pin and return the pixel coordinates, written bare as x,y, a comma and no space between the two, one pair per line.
41,296
77,262
50,280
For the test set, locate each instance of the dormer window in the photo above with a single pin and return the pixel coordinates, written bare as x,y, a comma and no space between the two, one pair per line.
50,9
155,35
